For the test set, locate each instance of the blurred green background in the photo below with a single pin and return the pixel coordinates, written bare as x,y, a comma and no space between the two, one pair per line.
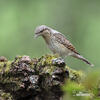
79,20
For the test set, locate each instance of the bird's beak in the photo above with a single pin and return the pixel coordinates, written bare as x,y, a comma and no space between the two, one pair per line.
36,35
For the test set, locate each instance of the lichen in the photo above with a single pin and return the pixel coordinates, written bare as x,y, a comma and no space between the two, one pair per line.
5,66
46,60
5,96
75,75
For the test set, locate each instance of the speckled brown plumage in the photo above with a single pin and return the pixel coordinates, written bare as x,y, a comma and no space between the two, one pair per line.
61,39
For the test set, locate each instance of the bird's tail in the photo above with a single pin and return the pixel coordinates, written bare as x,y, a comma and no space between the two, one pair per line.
83,59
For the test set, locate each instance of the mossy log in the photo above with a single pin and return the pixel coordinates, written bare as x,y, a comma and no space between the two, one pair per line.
34,79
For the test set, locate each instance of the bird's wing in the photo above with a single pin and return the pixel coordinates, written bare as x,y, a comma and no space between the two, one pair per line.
61,39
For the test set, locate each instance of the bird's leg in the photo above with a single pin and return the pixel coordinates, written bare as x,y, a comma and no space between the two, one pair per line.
56,55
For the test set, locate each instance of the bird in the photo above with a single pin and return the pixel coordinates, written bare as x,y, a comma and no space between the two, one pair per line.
58,43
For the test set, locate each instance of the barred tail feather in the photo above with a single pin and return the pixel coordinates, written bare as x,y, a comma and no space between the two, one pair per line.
82,58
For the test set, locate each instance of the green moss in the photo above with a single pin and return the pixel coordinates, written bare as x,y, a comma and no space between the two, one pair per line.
75,75
5,96
17,58
46,60
45,65
5,66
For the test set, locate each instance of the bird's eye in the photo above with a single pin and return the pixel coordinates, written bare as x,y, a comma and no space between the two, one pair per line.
41,31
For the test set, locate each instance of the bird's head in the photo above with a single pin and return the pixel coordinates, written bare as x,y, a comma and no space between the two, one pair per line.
41,30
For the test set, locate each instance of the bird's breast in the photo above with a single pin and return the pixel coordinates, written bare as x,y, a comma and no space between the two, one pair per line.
55,46
58,48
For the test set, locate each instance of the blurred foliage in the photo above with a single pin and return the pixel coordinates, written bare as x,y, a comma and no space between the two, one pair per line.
87,89
78,20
